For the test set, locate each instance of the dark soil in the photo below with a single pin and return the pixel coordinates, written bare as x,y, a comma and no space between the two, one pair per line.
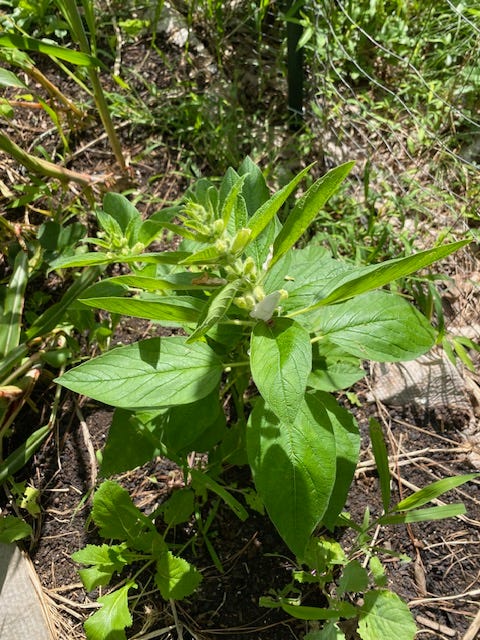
441,581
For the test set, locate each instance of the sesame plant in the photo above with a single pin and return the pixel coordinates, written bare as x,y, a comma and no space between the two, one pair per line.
262,333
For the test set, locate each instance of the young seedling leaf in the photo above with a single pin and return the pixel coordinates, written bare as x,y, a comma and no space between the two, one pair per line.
424,515
432,491
307,208
281,360
109,622
385,615
294,466
179,507
375,326
378,571
105,560
330,631
175,577
13,529
149,374
117,517
354,579
380,454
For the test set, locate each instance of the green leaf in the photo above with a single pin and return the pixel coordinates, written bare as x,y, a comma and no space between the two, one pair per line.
105,560
322,554
375,326
184,281
151,373
347,447
109,622
175,577
13,529
267,211
365,279
99,258
130,443
380,454
332,368
116,516
167,309
329,632
385,615
432,491
33,44
307,208
293,465
354,579
179,507
255,191
121,209
216,310
281,360
424,515
344,610
12,303
228,205
9,79
203,481
378,571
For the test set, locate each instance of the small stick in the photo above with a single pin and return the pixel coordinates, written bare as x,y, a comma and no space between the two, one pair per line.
436,626
473,629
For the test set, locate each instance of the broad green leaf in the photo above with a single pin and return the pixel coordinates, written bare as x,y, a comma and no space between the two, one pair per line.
175,577
332,368
293,465
424,515
13,529
179,507
354,579
109,622
385,615
105,560
307,208
152,373
375,326
130,443
267,211
433,491
12,301
209,255
344,610
216,310
347,446
322,554
10,79
33,44
184,281
281,360
380,454
329,632
303,272
365,279
99,258
168,309
204,481
116,516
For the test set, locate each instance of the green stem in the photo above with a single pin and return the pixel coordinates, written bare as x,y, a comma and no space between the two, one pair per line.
72,14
